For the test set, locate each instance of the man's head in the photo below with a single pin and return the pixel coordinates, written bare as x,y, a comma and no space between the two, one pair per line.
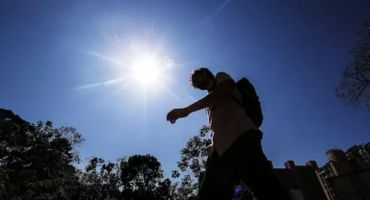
202,79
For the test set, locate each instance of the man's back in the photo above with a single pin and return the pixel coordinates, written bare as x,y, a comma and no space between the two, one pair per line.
228,120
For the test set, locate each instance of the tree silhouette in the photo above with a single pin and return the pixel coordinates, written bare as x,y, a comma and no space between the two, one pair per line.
141,177
138,177
100,181
36,159
192,164
355,83
36,162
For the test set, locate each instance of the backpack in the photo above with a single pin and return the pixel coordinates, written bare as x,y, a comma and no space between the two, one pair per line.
250,101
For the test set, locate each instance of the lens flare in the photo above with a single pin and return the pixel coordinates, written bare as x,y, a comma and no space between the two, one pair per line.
146,70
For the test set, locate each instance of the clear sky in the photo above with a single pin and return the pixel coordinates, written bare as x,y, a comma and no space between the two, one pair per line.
72,62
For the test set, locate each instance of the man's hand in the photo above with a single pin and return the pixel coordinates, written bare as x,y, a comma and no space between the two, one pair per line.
174,114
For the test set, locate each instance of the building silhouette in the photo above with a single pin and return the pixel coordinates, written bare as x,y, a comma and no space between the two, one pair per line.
301,181
345,176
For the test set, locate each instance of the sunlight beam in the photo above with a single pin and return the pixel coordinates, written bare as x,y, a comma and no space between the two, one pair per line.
109,82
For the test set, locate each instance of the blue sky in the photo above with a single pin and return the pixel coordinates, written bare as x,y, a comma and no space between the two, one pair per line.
57,56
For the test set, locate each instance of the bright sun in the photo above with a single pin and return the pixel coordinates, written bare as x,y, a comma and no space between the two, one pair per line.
146,70
142,67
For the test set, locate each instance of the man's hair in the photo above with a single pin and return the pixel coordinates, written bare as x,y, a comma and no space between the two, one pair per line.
197,72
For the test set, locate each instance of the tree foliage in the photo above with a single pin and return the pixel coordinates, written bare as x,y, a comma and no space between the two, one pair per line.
136,177
141,177
355,83
36,159
192,164
100,181
36,162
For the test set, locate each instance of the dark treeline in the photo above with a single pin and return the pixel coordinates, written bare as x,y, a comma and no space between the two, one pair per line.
38,162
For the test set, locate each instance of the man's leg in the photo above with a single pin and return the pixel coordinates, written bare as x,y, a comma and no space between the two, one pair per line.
264,183
254,169
218,180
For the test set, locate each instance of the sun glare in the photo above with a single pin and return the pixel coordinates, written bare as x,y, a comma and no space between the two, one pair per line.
146,70
142,67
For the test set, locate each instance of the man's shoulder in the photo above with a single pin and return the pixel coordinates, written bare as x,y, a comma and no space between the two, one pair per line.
222,76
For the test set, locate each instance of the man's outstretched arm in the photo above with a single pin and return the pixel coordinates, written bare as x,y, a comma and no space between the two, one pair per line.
223,91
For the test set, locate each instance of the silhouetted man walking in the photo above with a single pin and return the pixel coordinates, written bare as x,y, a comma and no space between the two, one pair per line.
236,142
